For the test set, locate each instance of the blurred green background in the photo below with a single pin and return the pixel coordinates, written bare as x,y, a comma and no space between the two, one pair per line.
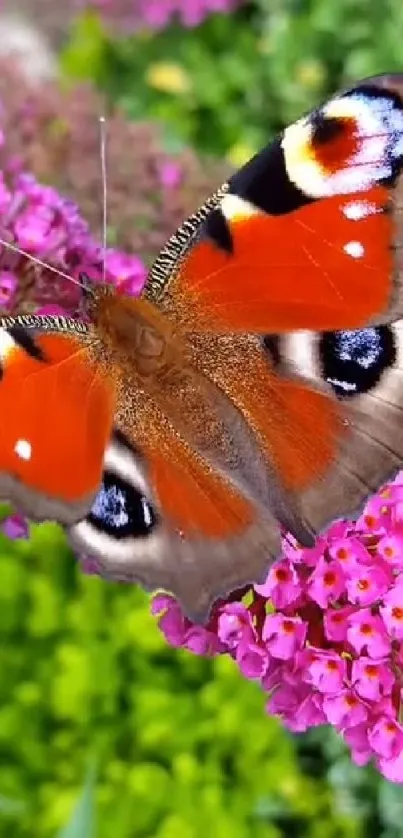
104,730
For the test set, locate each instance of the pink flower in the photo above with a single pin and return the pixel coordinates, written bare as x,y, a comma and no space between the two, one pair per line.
336,623
200,641
15,527
327,583
252,660
282,585
357,738
32,233
392,769
376,514
126,272
170,174
349,553
171,620
89,565
283,636
390,548
48,227
308,557
327,673
8,288
309,713
367,633
371,679
386,738
53,310
158,14
235,625
274,675
344,710
285,700
367,585
392,611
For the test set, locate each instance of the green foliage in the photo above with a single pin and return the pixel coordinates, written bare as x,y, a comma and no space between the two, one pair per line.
181,744
228,85
83,820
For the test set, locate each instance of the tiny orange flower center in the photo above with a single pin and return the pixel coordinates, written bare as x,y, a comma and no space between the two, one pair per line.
397,613
390,727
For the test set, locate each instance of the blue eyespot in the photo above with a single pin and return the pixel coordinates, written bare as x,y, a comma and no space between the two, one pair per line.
121,510
353,362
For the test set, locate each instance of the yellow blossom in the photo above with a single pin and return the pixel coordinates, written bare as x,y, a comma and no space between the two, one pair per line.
168,77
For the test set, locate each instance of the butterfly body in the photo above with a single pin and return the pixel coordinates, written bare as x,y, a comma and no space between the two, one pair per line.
258,381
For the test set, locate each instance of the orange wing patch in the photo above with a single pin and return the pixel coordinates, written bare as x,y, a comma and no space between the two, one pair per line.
299,428
193,498
56,417
326,266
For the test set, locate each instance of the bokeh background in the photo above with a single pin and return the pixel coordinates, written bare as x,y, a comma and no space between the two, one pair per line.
104,730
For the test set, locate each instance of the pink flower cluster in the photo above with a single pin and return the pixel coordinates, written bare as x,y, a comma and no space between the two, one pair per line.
324,634
38,220
157,14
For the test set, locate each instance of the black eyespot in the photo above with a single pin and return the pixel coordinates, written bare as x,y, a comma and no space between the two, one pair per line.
352,362
121,510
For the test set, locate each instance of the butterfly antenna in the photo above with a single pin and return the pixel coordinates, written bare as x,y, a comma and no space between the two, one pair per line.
102,126
15,249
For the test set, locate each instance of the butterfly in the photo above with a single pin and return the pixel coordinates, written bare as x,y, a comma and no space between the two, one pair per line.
255,386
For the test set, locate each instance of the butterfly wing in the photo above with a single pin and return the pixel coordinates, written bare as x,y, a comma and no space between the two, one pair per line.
307,234
363,372
56,419
167,522
326,409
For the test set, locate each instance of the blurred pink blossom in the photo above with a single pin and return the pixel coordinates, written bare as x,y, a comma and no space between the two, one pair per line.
127,15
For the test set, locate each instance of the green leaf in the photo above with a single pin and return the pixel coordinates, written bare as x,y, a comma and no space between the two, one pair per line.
83,820
82,57
11,808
